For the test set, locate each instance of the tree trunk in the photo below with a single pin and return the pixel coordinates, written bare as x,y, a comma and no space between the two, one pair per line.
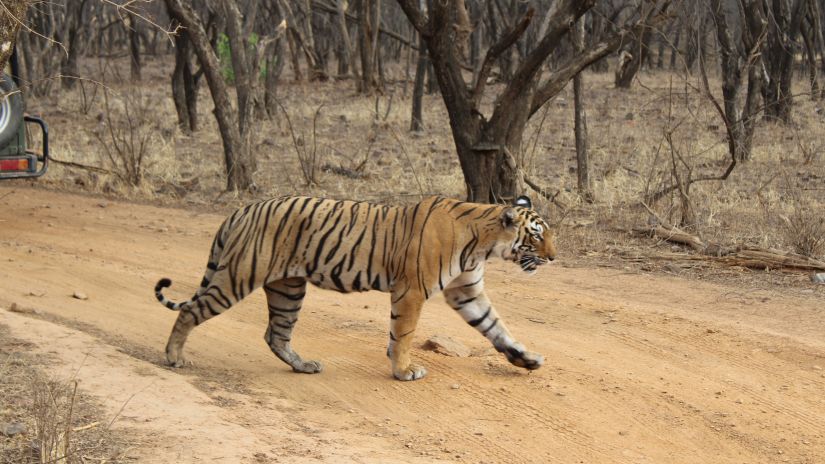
784,23
674,50
408,62
274,68
246,87
184,86
74,24
365,29
488,149
580,120
347,43
134,46
630,60
809,39
293,53
417,121
733,61
239,163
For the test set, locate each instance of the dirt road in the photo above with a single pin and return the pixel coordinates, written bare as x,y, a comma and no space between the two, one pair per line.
639,368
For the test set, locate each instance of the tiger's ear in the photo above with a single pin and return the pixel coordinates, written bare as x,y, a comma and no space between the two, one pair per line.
523,201
508,218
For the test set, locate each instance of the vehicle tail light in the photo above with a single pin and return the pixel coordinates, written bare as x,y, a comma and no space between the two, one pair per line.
15,164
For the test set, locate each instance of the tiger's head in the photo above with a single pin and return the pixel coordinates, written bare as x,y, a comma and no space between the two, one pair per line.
533,242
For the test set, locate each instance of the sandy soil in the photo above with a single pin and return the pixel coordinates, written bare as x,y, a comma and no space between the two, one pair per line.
639,368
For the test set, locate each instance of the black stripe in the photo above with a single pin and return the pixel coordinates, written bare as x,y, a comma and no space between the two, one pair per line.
474,283
285,217
465,213
335,248
376,284
456,205
286,325
283,310
440,271
335,276
251,283
311,267
484,332
300,285
295,297
354,251
372,245
476,322
468,250
487,213
220,295
212,312
356,282
295,242
396,300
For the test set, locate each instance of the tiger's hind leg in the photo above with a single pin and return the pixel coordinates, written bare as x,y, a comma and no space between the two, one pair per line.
214,300
284,298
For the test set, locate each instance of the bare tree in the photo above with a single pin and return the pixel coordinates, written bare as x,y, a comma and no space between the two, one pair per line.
185,84
72,41
580,116
130,22
740,56
366,47
488,146
234,126
417,119
633,53
784,22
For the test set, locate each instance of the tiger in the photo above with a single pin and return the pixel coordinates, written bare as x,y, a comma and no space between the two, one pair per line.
412,252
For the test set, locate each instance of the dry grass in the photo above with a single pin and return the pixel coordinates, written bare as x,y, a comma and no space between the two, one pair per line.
62,425
805,231
356,155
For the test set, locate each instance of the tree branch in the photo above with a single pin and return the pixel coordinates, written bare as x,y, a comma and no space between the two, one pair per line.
496,50
326,7
566,14
416,17
577,63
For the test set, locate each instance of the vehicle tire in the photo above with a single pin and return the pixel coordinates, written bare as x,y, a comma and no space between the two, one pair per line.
11,110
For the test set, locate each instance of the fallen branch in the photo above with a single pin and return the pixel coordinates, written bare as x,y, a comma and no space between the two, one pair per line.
72,164
766,258
744,256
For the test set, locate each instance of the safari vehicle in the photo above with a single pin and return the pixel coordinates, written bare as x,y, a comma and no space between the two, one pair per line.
17,158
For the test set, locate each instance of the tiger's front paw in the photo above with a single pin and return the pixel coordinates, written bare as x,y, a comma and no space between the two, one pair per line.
412,372
308,367
525,359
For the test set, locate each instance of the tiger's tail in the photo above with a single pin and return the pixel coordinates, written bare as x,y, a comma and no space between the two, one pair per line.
163,283
211,267
166,282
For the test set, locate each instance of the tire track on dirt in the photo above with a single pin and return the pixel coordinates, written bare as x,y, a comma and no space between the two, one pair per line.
732,356
413,393
812,423
505,402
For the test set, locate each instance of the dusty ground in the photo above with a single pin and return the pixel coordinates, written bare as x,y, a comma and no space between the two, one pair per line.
640,368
